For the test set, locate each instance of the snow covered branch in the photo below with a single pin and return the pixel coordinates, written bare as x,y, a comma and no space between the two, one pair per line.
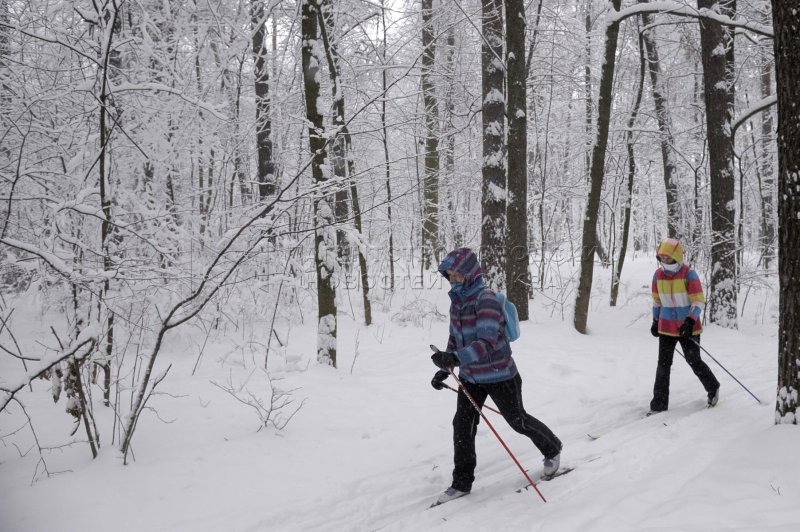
80,350
671,8
757,107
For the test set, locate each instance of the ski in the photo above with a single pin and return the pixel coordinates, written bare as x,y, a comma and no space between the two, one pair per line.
543,478
439,503
595,435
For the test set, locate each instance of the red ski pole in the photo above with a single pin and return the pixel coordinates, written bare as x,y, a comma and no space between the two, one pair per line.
489,424
484,406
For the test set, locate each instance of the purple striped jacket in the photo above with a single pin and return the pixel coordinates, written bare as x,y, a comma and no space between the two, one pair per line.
476,323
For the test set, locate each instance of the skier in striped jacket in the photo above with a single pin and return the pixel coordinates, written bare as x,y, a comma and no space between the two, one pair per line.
478,346
678,301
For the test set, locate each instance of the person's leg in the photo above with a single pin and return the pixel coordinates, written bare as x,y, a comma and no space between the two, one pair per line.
666,349
691,351
507,396
465,425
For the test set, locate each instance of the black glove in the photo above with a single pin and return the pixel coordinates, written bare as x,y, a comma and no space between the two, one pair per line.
444,359
654,328
438,379
686,329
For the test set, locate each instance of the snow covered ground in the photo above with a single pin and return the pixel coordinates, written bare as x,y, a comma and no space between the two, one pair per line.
370,447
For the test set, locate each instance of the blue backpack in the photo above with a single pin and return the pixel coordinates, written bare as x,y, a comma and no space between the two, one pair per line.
510,316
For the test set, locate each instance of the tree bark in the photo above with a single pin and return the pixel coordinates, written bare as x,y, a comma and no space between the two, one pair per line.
786,25
717,55
517,272
767,171
665,129
430,211
493,190
385,129
587,85
345,143
325,238
626,216
597,173
266,166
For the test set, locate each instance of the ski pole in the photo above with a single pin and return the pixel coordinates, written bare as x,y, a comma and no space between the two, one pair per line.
484,406
489,424
726,370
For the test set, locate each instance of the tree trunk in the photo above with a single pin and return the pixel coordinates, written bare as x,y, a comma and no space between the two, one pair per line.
325,238
587,85
384,97
344,141
664,128
626,216
494,193
786,25
767,171
517,273
456,231
430,211
111,63
718,84
597,172
266,166
340,150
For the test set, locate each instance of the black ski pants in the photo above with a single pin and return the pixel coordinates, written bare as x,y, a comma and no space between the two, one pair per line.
691,351
507,395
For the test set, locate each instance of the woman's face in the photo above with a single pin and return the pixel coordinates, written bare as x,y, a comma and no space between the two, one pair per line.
666,259
455,277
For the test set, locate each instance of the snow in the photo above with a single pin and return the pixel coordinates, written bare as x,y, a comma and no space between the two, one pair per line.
494,96
369,444
677,8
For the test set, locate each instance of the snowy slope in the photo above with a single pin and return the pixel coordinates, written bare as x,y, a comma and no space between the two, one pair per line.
370,448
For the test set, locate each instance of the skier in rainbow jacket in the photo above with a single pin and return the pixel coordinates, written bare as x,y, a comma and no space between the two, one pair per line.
477,344
678,301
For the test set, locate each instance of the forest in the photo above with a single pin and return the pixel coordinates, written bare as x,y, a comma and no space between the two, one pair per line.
228,166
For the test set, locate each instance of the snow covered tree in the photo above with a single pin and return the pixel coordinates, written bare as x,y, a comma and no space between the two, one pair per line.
597,172
517,274
628,193
767,172
668,155
494,192
313,57
430,183
343,164
263,102
719,76
786,26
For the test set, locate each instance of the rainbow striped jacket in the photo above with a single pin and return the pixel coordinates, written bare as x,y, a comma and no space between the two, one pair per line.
676,296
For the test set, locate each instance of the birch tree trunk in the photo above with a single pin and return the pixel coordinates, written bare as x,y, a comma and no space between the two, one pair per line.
493,190
596,174
517,273
430,210
786,25
717,54
325,238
